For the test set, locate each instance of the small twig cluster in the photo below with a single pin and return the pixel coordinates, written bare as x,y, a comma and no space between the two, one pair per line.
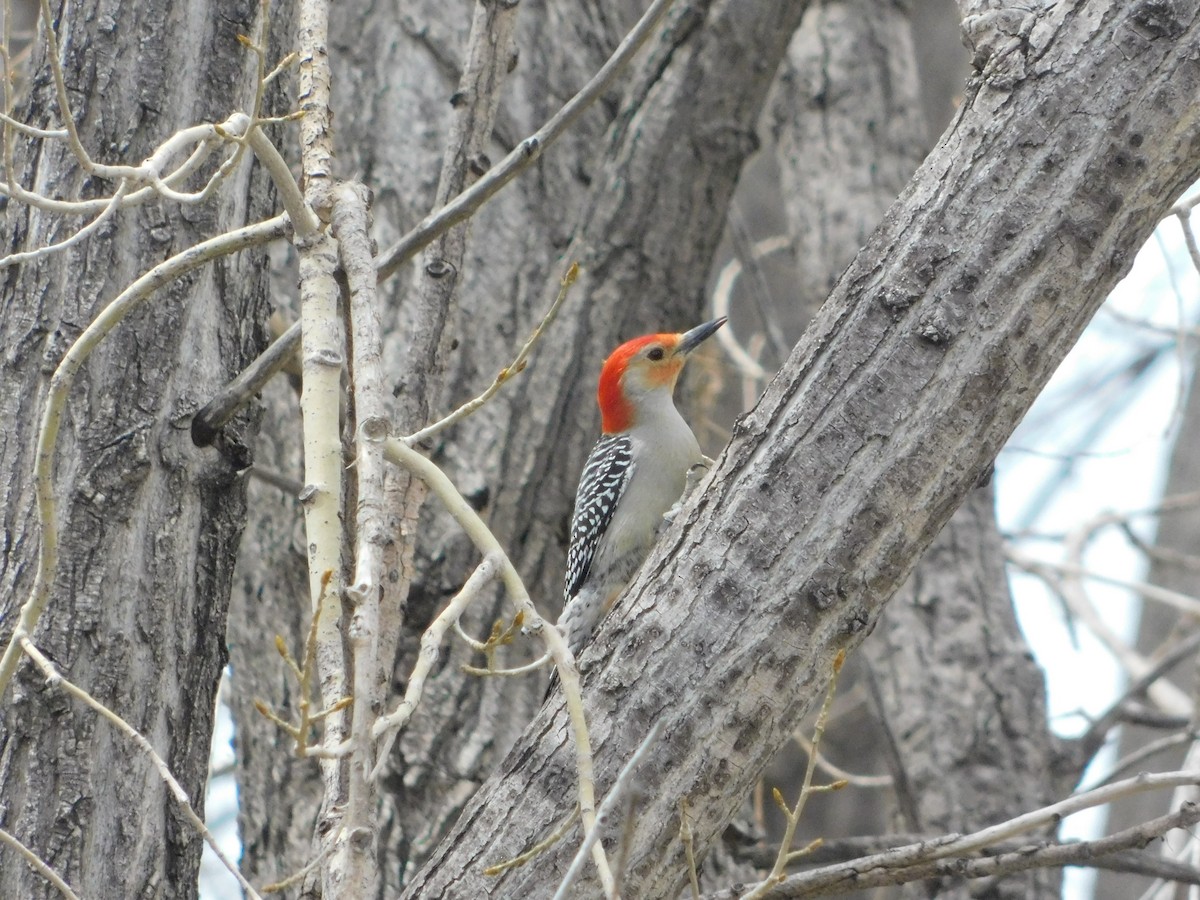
301,732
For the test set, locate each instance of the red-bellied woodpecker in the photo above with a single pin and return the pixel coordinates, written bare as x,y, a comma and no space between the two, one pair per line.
634,475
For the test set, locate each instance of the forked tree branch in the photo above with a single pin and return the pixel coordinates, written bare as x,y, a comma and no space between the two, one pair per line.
919,366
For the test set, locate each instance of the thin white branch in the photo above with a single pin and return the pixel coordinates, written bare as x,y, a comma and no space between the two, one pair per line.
466,517
955,846
82,234
304,220
722,297
515,368
1184,603
388,727
1165,695
866,872
37,864
351,222
30,131
838,773
1052,814
507,673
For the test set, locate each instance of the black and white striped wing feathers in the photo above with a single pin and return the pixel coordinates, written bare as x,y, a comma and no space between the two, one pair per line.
605,477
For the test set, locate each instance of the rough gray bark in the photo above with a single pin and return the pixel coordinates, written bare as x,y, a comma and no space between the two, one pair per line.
149,524
849,133
926,356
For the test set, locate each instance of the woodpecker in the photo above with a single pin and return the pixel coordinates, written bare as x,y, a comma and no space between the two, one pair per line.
634,475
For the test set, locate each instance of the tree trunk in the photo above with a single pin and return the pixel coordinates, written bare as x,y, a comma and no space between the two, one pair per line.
917,369
149,525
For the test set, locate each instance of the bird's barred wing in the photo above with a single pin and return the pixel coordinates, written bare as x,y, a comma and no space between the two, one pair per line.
605,477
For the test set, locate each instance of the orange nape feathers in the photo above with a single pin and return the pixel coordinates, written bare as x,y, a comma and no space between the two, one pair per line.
616,409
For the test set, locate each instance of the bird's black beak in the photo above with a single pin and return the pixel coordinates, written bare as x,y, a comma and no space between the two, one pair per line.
694,338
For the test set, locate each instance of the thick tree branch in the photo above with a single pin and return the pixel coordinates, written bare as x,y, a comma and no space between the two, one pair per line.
918,368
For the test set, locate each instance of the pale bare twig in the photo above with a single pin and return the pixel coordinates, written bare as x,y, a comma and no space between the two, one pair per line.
515,368
38,865
507,673
807,789
1098,731
722,297
750,254
1144,752
205,137
150,171
537,849
1184,205
624,843
323,361
31,131
477,646
622,785
239,128
285,483
1184,603
1184,796
689,849
1183,212
296,877
388,726
928,860
1164,694
303,673
351,223
838,773
304,220
71,240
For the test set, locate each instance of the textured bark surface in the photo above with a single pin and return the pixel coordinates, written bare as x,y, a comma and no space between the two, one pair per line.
963,701
849,133
929,352
149,524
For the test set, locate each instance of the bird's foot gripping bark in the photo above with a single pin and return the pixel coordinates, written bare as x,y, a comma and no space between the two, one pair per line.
694,474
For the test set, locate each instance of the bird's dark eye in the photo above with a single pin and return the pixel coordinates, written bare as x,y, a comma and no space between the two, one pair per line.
655,354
